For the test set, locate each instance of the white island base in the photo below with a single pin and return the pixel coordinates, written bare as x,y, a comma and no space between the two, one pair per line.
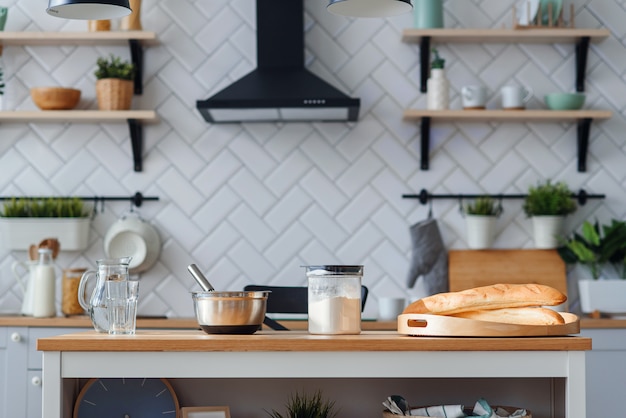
256,373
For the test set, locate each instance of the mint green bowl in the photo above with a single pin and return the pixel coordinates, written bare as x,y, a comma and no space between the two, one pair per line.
565,101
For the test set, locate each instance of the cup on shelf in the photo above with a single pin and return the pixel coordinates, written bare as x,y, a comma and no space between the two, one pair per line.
121,300
390,307
515,97
474,97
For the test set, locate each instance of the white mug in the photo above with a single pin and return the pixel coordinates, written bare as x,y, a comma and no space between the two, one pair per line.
515,97
474,97
390,307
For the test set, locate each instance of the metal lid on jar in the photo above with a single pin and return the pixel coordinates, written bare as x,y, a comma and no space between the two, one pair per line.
328,270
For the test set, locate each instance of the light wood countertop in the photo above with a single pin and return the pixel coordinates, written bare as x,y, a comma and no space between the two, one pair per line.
192,340
83,321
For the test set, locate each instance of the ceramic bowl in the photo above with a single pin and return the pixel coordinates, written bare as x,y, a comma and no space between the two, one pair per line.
55,98
133,237
565,101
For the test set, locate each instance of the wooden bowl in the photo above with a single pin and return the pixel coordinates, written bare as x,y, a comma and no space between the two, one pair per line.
55,98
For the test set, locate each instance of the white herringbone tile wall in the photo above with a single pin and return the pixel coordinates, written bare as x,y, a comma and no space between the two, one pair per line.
251,203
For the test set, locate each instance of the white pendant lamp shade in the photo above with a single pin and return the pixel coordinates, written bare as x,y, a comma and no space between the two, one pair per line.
369,8
88,9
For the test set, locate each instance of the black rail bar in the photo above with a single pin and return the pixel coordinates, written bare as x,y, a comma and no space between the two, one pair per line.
423,196
137,199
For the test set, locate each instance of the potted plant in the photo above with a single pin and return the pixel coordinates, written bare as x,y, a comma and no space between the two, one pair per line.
480,219
114,85
547,204
305,406
597,247
25,221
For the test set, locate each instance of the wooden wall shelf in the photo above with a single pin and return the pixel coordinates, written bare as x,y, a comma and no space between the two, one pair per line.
135,40
582,117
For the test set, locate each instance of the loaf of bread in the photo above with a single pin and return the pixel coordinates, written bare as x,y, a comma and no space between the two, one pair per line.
519,316
495,296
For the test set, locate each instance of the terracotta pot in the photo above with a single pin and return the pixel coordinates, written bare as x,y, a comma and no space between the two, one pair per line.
114,94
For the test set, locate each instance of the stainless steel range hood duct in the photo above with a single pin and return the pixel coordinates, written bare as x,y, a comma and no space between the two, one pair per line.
280,88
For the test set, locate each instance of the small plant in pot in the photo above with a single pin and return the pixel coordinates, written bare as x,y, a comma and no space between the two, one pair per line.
114,85
480,218
547,204
307,406
597,247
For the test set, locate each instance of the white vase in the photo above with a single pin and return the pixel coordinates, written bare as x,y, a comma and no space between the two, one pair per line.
480,231
438,95
547,230
603,295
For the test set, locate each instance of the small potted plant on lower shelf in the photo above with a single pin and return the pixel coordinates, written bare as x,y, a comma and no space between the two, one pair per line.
307,406
602,250
547,204
114,87
25,221
480,219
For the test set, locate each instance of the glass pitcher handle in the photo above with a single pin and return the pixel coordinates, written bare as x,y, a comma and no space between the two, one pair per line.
81,289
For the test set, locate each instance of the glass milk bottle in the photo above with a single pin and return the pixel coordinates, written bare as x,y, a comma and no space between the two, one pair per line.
44,286
334,299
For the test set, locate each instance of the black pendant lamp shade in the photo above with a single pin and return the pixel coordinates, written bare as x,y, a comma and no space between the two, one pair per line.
88,9
369,8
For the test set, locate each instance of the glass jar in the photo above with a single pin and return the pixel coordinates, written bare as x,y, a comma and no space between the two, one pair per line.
70,305
334,303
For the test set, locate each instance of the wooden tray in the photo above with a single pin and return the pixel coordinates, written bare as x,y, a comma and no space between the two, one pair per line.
447,326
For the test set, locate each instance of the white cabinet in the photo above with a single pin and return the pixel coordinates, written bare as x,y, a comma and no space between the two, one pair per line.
606,372
20,370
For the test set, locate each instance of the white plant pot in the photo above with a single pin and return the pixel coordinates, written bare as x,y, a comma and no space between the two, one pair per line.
547,230
480,231
603,295
20,233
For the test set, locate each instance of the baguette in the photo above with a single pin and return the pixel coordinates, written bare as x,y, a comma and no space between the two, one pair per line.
518,316
487,297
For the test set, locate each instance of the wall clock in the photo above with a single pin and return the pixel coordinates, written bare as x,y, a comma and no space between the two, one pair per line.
126,398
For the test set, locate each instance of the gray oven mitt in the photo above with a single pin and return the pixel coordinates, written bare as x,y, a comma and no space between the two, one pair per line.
429,257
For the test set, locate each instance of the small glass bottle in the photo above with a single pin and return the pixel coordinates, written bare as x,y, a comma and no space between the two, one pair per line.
44,286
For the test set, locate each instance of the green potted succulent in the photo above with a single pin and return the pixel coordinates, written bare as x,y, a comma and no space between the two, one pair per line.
307,406
547,204
114,85
480,219
597,247
26,221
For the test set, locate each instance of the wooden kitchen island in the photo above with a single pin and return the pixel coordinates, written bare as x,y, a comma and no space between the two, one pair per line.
255,372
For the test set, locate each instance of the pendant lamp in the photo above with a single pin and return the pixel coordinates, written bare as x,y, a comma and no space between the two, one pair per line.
369,8
88,9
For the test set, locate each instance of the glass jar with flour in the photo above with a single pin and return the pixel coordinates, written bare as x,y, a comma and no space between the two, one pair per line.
334,299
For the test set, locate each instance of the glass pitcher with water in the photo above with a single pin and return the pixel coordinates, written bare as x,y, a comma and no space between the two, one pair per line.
108,269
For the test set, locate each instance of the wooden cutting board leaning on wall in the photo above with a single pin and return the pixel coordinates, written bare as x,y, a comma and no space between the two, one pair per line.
473,268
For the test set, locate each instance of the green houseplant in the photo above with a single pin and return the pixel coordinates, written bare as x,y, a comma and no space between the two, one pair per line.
25,221
307,406
480,220
547,204
596,247
114,85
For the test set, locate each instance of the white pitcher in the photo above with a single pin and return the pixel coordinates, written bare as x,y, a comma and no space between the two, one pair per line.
26,283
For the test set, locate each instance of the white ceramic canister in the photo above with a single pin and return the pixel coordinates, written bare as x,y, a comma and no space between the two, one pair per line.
438,90
44,286
334,302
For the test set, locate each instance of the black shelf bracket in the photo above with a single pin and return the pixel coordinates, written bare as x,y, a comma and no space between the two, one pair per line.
584,127
136,141
425,143
136,56
424,197
582,50
424,63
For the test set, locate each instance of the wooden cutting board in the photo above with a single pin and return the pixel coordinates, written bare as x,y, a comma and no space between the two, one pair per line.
448,326
473,268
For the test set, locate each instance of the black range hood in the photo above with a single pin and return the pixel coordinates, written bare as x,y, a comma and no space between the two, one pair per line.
280,88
